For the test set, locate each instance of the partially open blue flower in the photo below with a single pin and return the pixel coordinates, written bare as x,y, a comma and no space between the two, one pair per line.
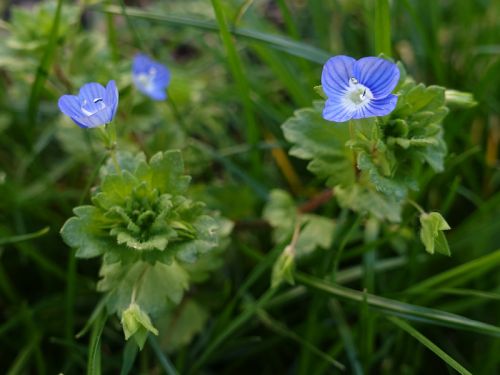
94,105
150,77
358,88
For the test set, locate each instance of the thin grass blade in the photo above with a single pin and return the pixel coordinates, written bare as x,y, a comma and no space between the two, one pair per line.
429,344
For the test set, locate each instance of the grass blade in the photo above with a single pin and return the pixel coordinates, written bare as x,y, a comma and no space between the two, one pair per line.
129,355
345,334
24,237
45,63
281,329
394,307
162,358
278,42
230,329
382,32
94,355
429,344
461,274
236,67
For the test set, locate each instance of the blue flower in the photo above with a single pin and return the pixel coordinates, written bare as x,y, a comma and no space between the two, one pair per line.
358,88
94,105
150,77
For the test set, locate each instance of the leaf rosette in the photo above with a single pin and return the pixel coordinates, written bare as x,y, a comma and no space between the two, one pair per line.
150,235
373,163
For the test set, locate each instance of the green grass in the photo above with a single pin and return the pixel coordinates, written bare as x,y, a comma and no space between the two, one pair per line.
373,303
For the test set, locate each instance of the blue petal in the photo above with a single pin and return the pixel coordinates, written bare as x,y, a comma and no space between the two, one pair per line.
379,75
335,111
141,63
157,94
91,91
70,106
111,98
381,107
162,77
99,118
336,74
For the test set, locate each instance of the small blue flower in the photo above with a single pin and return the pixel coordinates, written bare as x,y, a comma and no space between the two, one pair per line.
94,105
150,77
358,88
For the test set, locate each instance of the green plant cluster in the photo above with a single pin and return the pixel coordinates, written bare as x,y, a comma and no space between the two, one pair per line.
150,237
373,163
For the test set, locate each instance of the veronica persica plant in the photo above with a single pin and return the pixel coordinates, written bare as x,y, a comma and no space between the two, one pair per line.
358,88
150,77
94,106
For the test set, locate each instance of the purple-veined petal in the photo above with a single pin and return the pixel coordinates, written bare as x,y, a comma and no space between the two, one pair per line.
379,75
99,118
336,111
70,106
336,74
111,97
381,107
91,91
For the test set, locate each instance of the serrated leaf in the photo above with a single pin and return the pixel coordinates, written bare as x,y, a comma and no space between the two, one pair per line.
316,232
431,233
83,233
115,189
157,285
167,172
386,185
323,142
281,212
366,201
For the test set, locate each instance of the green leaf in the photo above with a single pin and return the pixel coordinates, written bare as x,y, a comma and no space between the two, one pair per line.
156,286
323,142
432,235
389,185
315,232
182,324
281,212
167,170
84,233
365,200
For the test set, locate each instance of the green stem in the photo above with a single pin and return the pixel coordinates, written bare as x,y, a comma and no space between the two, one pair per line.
110,140
138,284
416,205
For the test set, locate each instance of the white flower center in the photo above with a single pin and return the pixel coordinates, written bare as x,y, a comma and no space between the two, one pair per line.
91,107
356,95
146,80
